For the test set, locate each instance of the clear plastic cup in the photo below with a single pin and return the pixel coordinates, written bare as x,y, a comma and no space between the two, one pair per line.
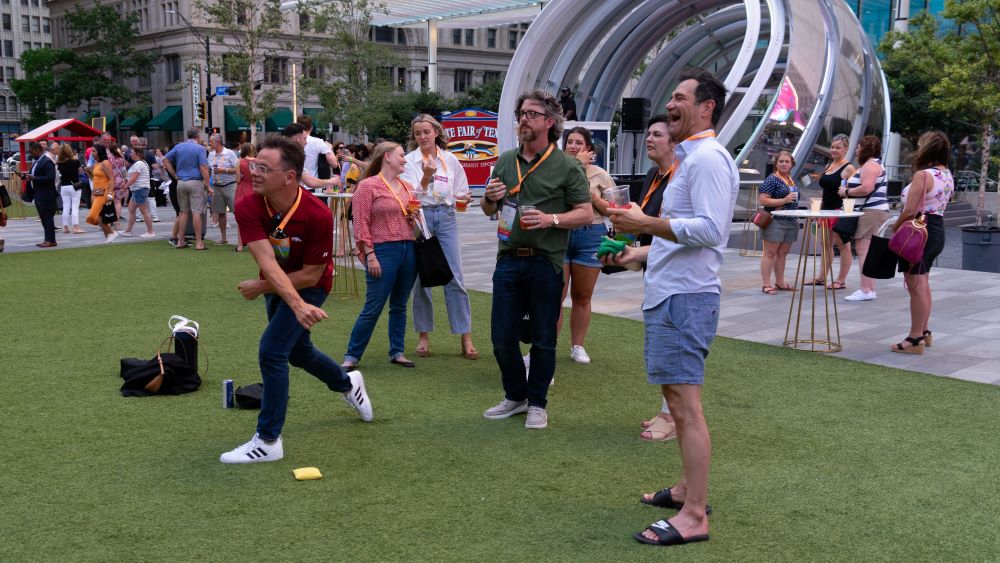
617,197
848,205
521,210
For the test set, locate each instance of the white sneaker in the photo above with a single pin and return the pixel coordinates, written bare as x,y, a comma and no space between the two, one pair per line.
860,295
357,397
537,418
255,451
579,355
124,233
148,235
111,238
506,408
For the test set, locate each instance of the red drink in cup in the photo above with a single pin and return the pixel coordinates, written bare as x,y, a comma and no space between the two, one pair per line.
617,197
521,210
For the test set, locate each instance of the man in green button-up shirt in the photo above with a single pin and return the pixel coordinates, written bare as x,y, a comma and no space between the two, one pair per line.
528,277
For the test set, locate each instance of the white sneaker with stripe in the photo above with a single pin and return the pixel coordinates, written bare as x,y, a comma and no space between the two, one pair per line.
255,451
357,397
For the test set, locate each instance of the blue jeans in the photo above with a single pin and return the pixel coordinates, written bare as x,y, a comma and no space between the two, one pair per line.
285,342
526,285
399,269
441,223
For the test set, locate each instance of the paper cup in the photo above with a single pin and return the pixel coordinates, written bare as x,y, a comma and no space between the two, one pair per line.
848,205
815,203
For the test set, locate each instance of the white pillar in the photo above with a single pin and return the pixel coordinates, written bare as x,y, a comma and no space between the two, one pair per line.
901,22
432,55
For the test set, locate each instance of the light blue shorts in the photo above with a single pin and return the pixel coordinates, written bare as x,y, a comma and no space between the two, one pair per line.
583,244
678,333
140,196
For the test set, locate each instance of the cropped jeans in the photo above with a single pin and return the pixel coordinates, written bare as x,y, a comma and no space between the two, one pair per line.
399,269
442,224
529,285
284,342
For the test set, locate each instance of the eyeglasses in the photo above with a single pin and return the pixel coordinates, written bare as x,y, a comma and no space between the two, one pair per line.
262,169
530,114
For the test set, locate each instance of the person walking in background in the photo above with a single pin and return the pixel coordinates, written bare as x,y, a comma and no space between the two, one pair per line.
224,170
778,192
383,233
244,186
927,195
188,162
444,185
138,185
682,291
42,179
316,149
541,194
120,168
580,265
870,183
69,174
101,176
290,234
834,176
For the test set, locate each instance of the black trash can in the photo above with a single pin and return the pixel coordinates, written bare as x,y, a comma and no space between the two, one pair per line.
981,248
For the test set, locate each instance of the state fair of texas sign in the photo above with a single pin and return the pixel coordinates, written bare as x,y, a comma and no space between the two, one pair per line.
472,138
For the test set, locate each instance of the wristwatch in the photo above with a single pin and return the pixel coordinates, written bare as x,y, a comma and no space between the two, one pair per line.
555,220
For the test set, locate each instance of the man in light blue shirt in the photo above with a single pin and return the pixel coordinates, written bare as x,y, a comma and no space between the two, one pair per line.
682,288
188,161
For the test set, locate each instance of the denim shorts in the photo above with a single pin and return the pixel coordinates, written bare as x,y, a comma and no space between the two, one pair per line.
583,243
678,333
140,196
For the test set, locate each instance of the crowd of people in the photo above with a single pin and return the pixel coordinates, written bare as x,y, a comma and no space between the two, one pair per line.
552,224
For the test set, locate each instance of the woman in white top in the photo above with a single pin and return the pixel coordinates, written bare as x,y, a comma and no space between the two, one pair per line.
138,183
581,266
928,194
433,169
868,185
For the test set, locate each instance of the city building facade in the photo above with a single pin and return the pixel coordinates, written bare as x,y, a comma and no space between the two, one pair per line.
24,25
177,82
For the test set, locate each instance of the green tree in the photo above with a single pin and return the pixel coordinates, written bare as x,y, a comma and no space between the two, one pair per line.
963,68
349,72
485,96
37,87
250,30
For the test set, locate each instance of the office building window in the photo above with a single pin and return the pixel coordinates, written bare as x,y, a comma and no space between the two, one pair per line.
400,36
470,37
456,37
491,38
25,46
34,3
463,80
7,24
9,72
173,68
491,75
5,2
24,2
401,79
383,34
145,81
25,24
275,70
36,24
313,71
8,48
3,103
46,25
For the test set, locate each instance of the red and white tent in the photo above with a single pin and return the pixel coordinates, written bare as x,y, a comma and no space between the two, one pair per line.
78,131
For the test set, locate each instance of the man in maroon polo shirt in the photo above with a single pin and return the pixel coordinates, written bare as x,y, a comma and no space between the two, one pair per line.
290,234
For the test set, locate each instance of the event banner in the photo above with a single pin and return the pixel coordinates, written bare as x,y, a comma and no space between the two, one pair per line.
472,138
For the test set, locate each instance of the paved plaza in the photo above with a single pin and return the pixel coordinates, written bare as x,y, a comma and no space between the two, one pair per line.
965,320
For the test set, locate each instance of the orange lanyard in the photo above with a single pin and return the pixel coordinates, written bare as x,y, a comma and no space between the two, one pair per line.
703,135
399,201
656,184
288,216
436,155
522,176
787,182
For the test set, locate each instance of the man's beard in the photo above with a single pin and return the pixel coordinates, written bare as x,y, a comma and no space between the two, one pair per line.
526,134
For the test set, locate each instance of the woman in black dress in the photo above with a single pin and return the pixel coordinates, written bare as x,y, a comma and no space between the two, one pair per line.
836,173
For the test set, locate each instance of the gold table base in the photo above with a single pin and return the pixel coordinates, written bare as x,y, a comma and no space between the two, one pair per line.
815,246
345,281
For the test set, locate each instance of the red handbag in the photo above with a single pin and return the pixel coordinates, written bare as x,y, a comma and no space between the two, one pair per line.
909,240
761,217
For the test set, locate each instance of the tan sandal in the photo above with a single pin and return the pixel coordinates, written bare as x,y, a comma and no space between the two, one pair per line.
659,431
423,347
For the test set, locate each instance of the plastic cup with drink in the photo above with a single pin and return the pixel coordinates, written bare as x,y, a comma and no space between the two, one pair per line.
617,197
521,210
414,202
462,200
815,203
848,205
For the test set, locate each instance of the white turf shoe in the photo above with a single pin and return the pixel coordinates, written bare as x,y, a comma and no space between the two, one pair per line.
579,355
537,418
506,408
111,238
357,397
255,451
859,295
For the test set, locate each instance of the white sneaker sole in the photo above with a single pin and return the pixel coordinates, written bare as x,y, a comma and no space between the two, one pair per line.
357,397
516,410
537,426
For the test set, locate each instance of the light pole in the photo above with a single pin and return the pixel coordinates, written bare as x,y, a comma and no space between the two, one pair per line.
209,95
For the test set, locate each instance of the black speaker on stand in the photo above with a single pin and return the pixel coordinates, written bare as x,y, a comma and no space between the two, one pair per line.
635,115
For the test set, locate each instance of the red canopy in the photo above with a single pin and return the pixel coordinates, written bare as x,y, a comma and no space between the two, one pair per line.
78,130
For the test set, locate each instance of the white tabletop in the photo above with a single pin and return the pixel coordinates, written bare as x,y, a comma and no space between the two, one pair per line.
804,213
338,195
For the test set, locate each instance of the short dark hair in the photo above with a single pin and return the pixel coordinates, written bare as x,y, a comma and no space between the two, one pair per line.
34,146
293,129
305,121
869,146
588,139
709,88
933,149
193,133
658,118
293,157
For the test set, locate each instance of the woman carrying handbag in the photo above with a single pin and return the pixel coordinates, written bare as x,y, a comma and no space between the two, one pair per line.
927,194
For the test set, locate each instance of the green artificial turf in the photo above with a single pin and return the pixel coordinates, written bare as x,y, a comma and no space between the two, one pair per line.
815,457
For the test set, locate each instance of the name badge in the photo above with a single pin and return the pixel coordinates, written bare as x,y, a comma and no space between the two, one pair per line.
507,216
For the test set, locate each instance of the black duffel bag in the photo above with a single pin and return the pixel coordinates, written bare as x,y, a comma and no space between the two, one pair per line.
165,374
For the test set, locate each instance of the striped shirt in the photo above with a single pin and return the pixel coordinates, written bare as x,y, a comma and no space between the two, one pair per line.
878,199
